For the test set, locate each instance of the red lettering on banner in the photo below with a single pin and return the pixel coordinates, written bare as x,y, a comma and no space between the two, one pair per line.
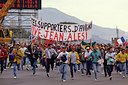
46,34
86,35
61,37
56,36
18,4
51,35
69,37
75,36
83,36
79,36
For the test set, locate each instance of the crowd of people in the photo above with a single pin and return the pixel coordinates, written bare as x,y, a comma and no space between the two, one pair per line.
99,58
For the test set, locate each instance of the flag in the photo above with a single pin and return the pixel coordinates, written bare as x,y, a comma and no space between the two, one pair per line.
121,40
88,44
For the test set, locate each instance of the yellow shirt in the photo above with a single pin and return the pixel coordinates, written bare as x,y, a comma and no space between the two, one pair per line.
18,55
77,57
122,57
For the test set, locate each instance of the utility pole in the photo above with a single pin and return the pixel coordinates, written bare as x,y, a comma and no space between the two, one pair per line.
117,32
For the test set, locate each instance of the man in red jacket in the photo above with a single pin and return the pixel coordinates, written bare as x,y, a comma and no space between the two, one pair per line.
3,55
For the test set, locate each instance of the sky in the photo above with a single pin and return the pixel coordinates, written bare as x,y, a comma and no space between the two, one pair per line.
105,13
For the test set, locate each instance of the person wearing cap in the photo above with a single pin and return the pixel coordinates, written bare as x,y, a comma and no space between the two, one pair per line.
18,55
63,59
88,60
122,57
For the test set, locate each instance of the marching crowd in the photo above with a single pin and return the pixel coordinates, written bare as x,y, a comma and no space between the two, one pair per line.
99,58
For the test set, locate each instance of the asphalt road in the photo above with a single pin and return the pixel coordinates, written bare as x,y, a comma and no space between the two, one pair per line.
26,78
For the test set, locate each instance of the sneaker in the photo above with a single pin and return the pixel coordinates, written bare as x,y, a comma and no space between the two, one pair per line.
110,77
47,74
33,73
123,76
95,79
78,70
64,80
120,73
14,77
27,69
82,74
72,78
5,69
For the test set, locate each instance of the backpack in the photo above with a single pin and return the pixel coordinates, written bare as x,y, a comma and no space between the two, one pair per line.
63,58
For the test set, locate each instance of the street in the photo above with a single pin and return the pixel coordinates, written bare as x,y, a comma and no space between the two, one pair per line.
26,78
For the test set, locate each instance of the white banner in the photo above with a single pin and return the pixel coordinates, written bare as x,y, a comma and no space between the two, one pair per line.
60,32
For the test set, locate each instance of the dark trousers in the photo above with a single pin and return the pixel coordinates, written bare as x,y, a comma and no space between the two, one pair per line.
88,67
49,62
72,66
109,69
5,63
105,67
2,67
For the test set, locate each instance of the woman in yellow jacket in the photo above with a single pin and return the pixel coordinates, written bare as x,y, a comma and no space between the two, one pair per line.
122,58
18,55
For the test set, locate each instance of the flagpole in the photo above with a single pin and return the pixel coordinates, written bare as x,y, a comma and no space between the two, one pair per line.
117,32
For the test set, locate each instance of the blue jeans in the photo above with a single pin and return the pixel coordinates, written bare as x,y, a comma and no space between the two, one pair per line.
14,68
96,69
78,66
83,64
122,67
34,66
63,71
23,62
71,69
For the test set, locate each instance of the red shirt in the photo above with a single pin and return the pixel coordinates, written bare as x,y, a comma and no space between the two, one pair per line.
3,54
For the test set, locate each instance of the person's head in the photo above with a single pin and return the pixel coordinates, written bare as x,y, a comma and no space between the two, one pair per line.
88,48
17,45
95,47
123,50
73,48
49,45
110,49
22,45
64,48
6,46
